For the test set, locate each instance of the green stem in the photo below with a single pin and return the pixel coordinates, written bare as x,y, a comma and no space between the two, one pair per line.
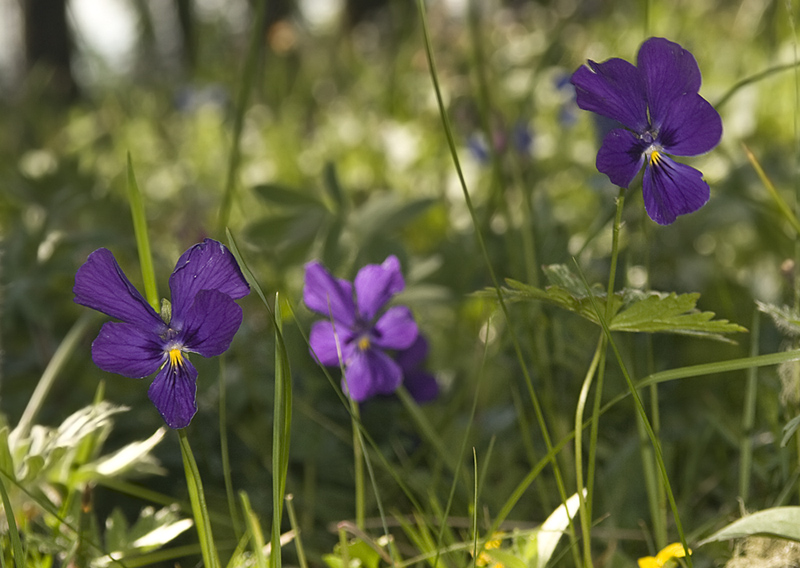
248,73
537,407
358,465
225,453
585,513
198,500
749,414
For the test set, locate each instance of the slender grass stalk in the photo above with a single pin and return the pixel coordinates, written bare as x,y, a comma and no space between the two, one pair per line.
358,465
585,503
584,509
755,78
749,414
51,372
246,84
298,541
13,533
783,207
142,239
256,536
484,253
225,454
642,413
281,432
197,498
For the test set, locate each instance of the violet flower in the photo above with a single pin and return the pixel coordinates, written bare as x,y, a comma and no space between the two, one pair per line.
658,105
356,334
203,319
420,384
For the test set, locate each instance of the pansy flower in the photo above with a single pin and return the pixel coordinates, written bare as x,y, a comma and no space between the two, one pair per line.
202,318
357,334
658,105
419,383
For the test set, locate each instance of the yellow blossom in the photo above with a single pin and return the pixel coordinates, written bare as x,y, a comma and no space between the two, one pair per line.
674,550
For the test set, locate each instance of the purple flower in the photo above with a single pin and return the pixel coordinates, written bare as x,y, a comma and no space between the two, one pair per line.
204,319
420,384
658,105
356,334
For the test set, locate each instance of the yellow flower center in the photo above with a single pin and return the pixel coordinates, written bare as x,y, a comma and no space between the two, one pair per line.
175,357
363,343
655,158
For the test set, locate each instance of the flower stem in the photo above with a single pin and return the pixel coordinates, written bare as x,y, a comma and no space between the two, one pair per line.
585,510
358,465
202,520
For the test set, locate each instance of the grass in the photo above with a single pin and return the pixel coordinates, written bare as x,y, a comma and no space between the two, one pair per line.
352,144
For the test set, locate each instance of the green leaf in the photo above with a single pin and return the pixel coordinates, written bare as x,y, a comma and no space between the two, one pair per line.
284,196
789,430
786,319
632,310
781,522
672,313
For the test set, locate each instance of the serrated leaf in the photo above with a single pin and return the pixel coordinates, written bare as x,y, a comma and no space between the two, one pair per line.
786,319
671,313
632,310
559,296
781,522
560,275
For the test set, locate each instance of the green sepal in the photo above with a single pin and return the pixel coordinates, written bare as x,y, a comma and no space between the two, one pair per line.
166,311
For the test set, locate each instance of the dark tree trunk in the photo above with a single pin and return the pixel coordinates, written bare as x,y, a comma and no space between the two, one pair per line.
48,45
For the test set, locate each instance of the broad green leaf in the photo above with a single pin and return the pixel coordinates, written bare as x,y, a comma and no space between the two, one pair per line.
286,196
781,522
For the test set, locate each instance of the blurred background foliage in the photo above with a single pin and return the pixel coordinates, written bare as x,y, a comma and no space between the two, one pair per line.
343,158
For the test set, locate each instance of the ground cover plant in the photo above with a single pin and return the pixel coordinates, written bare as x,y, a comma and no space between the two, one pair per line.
501,284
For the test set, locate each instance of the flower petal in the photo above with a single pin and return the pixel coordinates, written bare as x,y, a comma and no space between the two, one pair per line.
421,385
328,341
371,372
671,189
205,266
101,285
669,72
614,89
620,157
414,355
693,127
211,323
173,392
376,284
126,349
396,329
327,295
